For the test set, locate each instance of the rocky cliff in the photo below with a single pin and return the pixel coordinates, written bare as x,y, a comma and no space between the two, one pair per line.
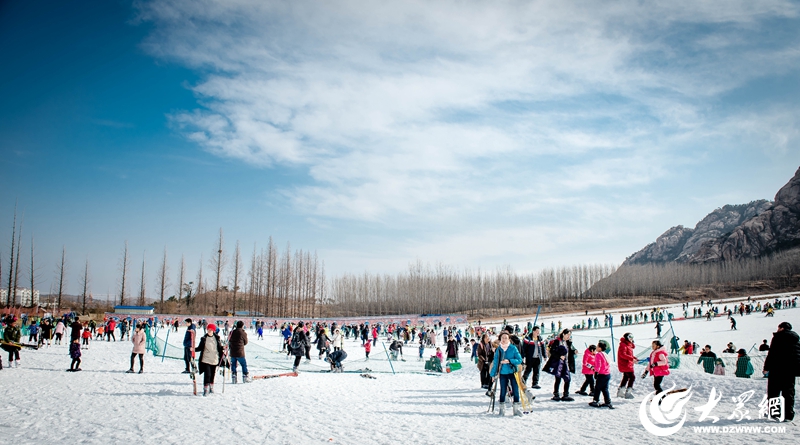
775,229
681,244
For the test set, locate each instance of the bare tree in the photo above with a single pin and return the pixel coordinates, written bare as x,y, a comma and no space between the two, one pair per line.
181,276
218,262
11,294
62,276
200,284
32,271
124,267
237,272
85,285
163,279
142,288
16,265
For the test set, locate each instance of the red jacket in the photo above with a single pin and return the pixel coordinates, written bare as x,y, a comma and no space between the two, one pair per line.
625,357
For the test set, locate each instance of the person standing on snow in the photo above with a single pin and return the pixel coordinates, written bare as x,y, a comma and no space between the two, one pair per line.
11,334
588,371
188,344
236,343
210,348
138,339
625,360
658,366
298,345
485,358
504,365
561,364
534,352
602,377
782,366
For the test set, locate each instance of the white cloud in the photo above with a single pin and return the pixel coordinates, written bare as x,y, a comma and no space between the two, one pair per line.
437,112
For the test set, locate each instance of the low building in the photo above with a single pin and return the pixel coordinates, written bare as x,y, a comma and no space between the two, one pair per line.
134,310
25,297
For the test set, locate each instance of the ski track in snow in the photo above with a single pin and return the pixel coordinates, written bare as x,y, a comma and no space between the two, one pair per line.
103,404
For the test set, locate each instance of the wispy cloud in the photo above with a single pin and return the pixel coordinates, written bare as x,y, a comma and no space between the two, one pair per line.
435,112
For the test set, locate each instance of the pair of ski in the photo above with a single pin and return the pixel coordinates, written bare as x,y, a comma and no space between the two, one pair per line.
19,345
193,374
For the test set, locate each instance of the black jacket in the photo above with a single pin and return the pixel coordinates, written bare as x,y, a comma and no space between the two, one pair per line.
202,347
301,338
783,357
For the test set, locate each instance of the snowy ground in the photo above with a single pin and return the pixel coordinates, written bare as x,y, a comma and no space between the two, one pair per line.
102,404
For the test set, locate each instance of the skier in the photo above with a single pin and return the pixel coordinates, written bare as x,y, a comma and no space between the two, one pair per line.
588,371
452,349
561,364
602,377
188,344
733,324
138,339
76,330
658,329
210,348
59,332
658,366
504,365
336,341
625,360
75,353
782,366
47,332
11,334
237,342
396,348
33,333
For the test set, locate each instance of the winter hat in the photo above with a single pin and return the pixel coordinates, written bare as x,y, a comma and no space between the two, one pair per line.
603,345
741,351
212,327
786,325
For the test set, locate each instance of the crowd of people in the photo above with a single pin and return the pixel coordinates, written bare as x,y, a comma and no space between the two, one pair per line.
512,358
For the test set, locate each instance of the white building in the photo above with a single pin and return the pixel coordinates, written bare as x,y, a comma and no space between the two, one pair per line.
24,297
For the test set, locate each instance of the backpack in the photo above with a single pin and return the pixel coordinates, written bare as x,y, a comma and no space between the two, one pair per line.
296,343
749,369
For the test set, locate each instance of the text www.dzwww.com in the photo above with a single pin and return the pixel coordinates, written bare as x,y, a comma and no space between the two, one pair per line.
740,429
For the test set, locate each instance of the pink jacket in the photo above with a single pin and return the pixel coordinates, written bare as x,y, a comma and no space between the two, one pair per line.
659,365
601,363
138,341
588,359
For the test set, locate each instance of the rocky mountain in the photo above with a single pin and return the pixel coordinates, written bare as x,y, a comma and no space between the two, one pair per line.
681,244
775,229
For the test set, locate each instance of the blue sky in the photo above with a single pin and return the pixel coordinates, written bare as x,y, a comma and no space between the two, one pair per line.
529,134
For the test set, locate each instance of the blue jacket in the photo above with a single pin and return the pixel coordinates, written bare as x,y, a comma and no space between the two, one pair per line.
188,339
511,354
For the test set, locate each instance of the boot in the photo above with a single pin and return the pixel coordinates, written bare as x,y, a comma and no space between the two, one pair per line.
233,379
205,390
620,392
556,397
211,388
517,409
594,404
502,409
246,379
567,398
16,363
607,405
130,371
629,393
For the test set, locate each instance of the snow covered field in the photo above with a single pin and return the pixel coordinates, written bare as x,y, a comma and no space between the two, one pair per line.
103,404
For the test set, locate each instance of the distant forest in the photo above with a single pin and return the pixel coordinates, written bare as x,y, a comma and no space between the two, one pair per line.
292,284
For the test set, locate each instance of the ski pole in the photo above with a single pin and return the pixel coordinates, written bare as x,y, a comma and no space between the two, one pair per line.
166,342
613,350
537,315
387,356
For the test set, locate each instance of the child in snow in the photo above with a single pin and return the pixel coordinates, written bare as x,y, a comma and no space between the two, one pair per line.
602,376
719,367
421,349
86,335
658,366
439,355
100,332
138,339
367,348
75,353
588,371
